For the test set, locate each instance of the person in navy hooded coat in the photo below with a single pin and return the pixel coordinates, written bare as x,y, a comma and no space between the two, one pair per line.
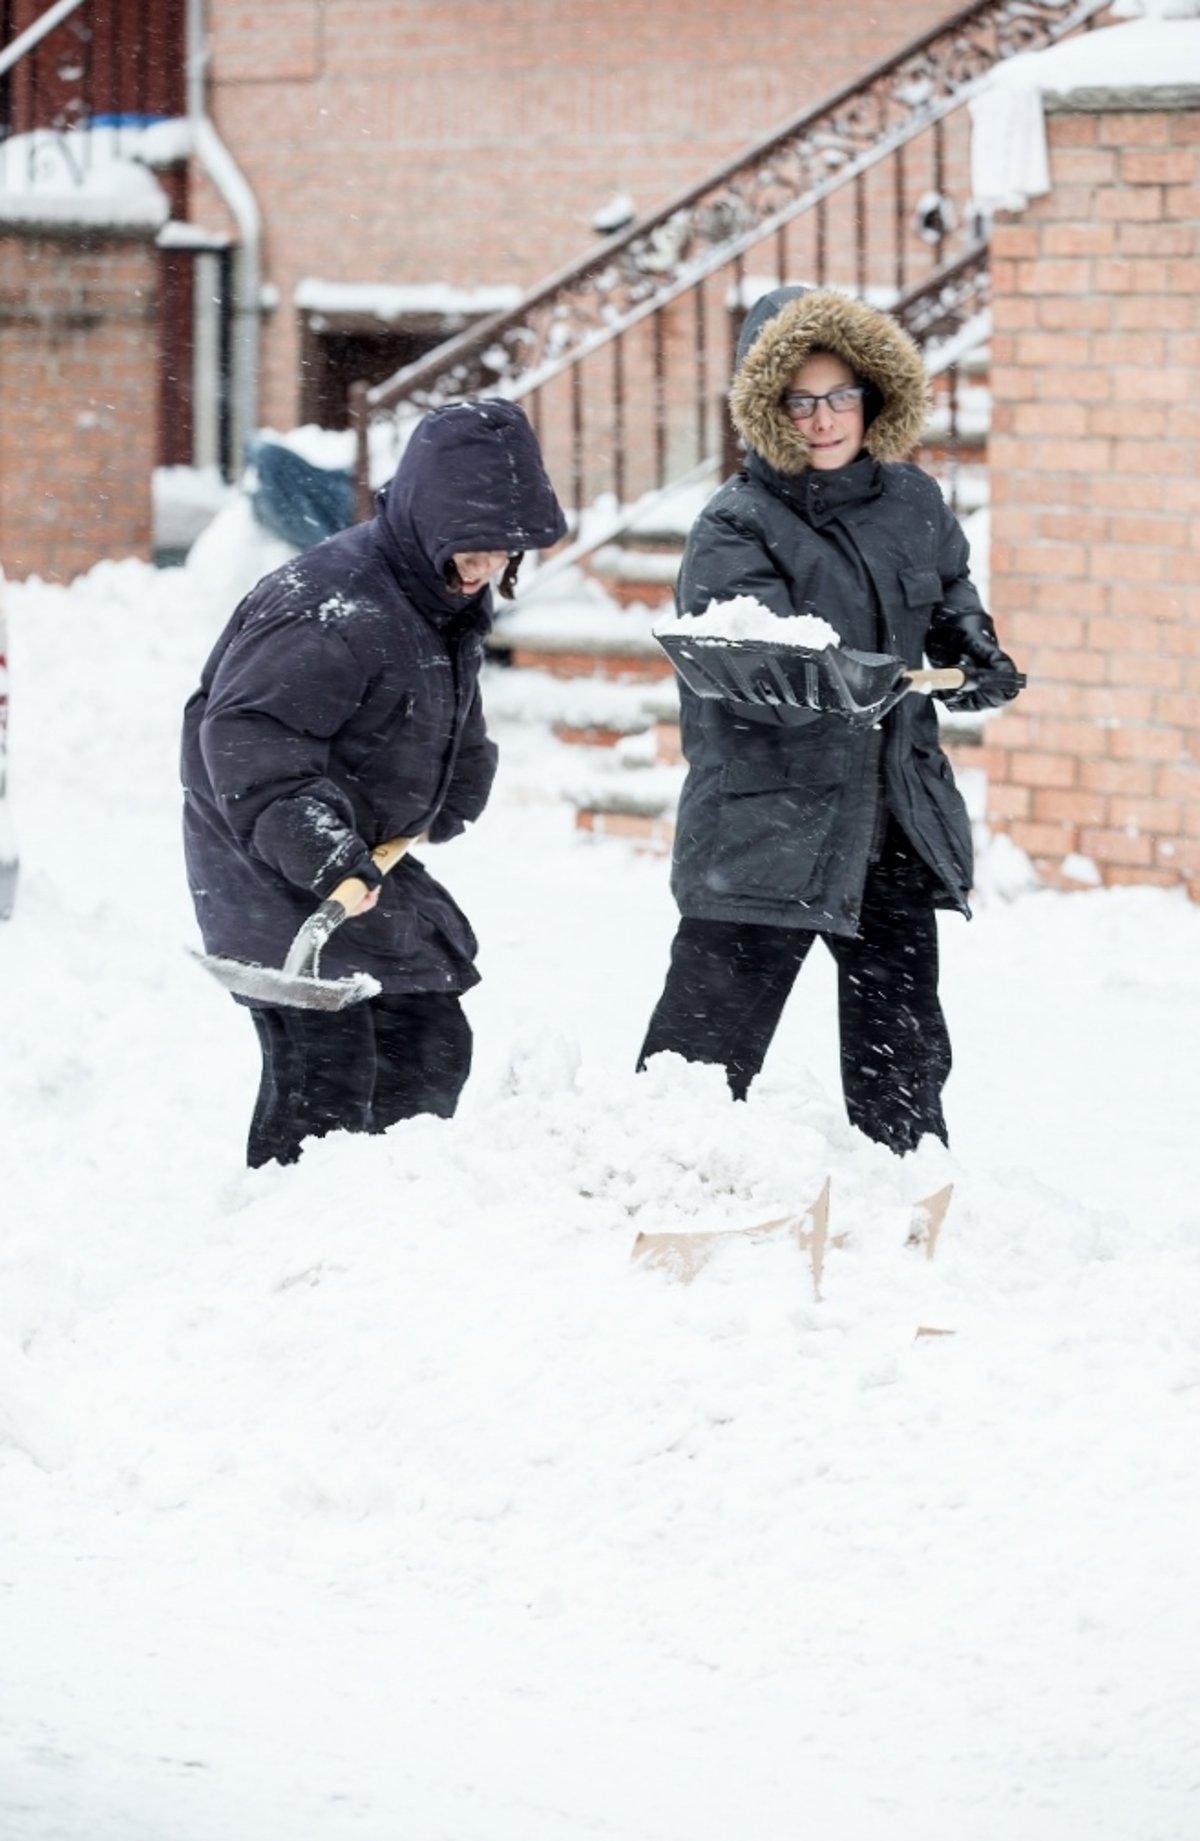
340,708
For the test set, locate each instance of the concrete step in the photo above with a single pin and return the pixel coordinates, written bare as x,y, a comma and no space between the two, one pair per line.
582,638
590,708
632,791
638,570
634,803
615,666
649,836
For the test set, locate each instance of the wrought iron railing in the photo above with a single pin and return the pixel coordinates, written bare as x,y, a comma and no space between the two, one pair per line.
84,63
623,358
949,316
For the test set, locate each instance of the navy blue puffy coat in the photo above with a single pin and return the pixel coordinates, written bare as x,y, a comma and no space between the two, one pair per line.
340,707
782,809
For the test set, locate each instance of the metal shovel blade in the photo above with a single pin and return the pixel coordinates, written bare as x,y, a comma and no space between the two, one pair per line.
298,984
267,985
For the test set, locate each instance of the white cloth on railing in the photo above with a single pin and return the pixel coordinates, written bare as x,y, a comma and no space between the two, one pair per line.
1009,163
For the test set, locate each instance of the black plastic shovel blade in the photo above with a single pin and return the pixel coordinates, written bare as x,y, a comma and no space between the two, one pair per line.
835,680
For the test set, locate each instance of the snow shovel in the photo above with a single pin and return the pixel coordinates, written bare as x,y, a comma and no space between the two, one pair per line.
835,680
299,984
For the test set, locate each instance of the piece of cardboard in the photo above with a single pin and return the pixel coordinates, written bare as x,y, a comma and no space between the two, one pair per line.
684,1255
927,1218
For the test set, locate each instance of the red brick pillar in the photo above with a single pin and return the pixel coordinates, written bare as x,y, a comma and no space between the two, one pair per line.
78,398
1095,470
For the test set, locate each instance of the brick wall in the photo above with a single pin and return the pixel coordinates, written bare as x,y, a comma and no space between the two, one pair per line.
1095,466
468,142
78,396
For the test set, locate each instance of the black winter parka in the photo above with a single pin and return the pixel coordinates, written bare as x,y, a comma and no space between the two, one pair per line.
782,809
340,707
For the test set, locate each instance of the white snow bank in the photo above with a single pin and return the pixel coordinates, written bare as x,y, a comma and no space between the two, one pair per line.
393,1499
186,500
232,553
321,447
744,616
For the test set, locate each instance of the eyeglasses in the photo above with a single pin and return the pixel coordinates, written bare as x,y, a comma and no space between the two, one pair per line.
804,407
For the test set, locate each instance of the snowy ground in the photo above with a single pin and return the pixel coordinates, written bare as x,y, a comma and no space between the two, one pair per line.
384,1497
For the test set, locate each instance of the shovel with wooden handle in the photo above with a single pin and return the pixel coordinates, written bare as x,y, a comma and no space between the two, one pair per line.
833,680
298,984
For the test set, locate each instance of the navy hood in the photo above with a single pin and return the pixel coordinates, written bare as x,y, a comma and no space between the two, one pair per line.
764,309
471,478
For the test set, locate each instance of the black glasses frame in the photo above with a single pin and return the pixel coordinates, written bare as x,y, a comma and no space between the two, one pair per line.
852,395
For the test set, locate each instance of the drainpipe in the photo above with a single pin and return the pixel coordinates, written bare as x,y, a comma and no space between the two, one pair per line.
235,192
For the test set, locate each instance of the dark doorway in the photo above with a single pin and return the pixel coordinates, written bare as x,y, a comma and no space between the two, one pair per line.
338,350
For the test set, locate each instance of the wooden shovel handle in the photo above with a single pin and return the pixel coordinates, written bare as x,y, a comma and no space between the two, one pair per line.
385,857
949,678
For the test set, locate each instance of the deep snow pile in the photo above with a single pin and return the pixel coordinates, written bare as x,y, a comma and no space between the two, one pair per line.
385,1496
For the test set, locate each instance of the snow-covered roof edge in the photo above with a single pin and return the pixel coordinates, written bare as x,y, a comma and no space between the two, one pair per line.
1121,99
393,301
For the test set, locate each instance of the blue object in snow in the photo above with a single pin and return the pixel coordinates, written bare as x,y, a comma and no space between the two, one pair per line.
296,500
126,121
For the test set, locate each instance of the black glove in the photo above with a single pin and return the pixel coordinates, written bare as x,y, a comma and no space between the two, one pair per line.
992,677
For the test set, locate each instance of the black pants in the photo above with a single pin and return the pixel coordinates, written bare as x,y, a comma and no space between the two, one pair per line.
727,985
358,1069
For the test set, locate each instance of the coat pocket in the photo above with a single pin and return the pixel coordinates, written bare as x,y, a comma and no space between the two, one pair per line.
921,587
948,810
775,824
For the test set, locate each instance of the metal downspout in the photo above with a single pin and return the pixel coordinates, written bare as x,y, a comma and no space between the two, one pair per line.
237,196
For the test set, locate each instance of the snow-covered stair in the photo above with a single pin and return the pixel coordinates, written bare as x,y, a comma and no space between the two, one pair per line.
581,633
632,789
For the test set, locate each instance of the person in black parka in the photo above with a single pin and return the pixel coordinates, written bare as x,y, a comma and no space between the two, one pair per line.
793,824
340,708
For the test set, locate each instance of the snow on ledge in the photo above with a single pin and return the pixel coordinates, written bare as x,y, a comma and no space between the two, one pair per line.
386,301
1009,164
88,177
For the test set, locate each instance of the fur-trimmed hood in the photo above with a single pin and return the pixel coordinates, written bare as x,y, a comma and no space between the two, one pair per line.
782,330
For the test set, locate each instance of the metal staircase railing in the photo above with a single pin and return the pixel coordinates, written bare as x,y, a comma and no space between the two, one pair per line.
947,314
623,358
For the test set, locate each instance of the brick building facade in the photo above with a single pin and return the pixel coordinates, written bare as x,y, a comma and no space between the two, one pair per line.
471,144
79,388
1095,485
456,149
